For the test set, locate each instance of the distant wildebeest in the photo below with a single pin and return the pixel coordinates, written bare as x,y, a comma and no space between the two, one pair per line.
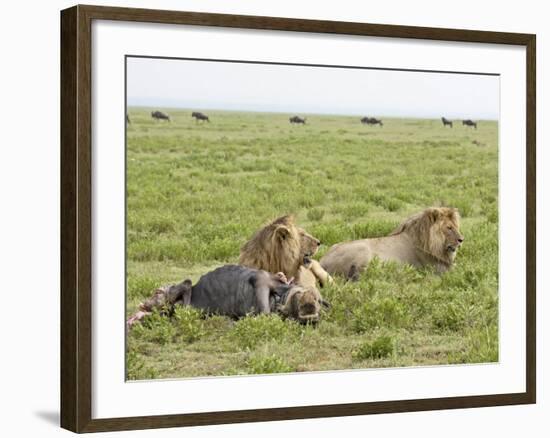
469,123
237,291
371,121
296,119
200,116
446,122
159,115
128,119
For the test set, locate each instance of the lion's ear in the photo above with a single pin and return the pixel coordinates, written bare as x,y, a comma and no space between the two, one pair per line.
282,232
287,219
433,214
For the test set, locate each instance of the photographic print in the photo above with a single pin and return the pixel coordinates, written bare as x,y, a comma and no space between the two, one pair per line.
268,218
285,218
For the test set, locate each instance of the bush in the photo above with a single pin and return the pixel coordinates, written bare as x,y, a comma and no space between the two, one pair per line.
268,365
381,347
355,210
482,343
251,331
155,328
189,323
384,313
141,287
315,214
448,316
372,228
136,369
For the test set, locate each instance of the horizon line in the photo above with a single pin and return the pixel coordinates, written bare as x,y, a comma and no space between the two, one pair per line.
304,112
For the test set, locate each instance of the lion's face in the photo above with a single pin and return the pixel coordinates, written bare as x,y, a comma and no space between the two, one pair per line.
445,235
453,237
308,246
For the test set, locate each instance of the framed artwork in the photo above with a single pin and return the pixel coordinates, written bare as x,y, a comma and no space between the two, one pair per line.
269,218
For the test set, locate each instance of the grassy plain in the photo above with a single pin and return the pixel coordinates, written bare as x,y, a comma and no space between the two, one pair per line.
197,191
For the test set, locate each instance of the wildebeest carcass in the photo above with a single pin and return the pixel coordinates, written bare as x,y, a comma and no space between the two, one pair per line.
298,120
237,291
371,121
469,123
447,122
200,116
159,115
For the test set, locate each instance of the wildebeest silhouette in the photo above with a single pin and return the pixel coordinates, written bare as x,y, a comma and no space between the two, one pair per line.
469,123
371,121
446,122
200,116
159,115
128,119
296,119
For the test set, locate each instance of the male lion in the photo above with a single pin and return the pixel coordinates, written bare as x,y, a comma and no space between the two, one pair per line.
281,246
429,238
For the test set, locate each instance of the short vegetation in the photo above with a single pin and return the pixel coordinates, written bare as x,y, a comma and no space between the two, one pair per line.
197,191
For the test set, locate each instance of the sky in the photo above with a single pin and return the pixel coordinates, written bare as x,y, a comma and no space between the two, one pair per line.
204,85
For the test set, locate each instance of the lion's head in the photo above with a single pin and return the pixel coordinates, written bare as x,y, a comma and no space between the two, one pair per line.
435,231
280,246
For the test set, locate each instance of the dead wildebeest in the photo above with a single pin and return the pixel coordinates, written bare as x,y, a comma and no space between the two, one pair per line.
200,116
237,291
159,115
446,122
469,123
371,121
298,120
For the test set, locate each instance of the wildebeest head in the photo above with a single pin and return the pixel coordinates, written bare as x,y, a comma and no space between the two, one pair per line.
180,293
163,300
303,305
165,297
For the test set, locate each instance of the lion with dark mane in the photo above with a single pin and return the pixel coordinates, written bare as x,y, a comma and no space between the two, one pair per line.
281,246
429,238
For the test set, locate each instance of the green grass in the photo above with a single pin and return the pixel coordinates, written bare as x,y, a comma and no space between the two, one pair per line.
197,192
379,348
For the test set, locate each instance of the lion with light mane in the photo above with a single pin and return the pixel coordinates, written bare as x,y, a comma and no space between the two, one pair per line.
429,238
281,246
